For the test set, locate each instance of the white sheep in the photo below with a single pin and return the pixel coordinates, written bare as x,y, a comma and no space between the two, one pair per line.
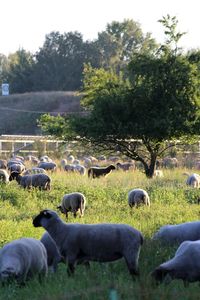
4,176
41,180
22,259
96,172
178,233
53,254
193,180
92,242
73,202
158,173
137,197
184,265
34,170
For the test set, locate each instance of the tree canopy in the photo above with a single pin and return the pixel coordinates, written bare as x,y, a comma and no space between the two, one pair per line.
158,103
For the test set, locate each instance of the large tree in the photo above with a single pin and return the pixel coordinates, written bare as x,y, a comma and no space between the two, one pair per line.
143,116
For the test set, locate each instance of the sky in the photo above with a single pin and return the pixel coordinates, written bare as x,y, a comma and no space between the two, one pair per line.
24,23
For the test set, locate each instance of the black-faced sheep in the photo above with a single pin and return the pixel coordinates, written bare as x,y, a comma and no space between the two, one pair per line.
96,172
73,202
53,254
42,181
184,265
96,242
22,259
137,197
179,233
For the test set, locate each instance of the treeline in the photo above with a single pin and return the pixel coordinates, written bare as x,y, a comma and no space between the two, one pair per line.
59,63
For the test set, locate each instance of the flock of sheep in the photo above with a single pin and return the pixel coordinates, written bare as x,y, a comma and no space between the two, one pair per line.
81,243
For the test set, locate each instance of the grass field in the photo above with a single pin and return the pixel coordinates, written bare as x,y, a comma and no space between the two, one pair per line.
171,202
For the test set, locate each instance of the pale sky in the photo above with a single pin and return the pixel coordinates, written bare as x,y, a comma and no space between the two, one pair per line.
24,23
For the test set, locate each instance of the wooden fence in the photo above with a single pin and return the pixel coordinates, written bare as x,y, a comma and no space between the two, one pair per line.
12,144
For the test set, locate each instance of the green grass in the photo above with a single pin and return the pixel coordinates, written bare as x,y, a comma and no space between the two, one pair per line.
171,202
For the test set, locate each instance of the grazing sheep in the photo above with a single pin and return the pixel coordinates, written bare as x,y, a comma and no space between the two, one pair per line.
137,197
63,162
193,180
22,259
71,159
179,233
48,166
96,242
80,169
158,173
42,181
4,176
125,166
16,167
53,254
72,202
96,172
45,158
3,164
34,170
69,168
184,265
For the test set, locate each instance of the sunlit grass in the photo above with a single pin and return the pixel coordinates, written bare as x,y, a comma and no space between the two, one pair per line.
171,202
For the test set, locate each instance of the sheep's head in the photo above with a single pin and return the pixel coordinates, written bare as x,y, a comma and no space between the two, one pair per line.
112,167
159,274
60,208
14,175
44,217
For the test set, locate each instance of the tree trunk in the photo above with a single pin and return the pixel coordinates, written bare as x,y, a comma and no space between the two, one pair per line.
150,168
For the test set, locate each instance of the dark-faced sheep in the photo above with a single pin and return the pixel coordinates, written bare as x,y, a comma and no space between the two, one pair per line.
41,181
92,242
73,202
137,197
96,172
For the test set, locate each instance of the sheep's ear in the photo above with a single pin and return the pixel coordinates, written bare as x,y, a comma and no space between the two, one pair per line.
46,214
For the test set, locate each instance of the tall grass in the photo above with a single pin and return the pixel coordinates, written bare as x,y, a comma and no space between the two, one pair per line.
171,202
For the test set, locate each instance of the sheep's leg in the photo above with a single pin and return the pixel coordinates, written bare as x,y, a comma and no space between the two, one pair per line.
74,214
131,258
71,262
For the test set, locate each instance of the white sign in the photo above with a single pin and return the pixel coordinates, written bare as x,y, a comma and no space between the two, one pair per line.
5,89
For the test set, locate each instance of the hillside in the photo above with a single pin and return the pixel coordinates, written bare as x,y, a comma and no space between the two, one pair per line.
19,112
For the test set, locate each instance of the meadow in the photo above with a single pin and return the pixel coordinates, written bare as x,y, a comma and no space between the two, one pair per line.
171,202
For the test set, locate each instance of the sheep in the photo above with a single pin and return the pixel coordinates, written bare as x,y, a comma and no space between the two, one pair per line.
34,170
47,166
193,180
72,202
96,172
3,164
125,166
184,265
4,176
178,233
92,242
63,163
80,169
137,197
53,254
158,173
42,181
16,166
22,259
69,168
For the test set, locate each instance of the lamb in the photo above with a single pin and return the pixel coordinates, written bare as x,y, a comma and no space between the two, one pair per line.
96,172
92,242
53,254
4,176
193,180
179,233
137,197
72,202
22,259
42,181
184,265
47,166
